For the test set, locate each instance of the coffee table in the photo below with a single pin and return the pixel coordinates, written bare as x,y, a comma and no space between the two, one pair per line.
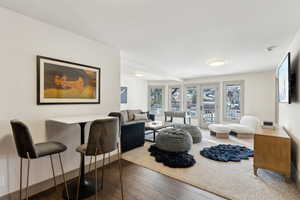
156,126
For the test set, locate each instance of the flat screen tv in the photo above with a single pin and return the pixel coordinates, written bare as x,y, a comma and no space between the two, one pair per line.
284,80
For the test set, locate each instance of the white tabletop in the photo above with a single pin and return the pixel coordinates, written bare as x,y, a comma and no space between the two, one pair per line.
79,119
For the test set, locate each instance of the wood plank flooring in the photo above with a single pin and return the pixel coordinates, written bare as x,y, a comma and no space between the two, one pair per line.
139,184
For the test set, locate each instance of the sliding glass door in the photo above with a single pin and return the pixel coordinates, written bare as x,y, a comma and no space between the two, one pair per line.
233,100
209,104
175,98
156,99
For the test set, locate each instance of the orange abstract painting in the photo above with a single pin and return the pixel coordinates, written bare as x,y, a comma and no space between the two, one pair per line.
68,82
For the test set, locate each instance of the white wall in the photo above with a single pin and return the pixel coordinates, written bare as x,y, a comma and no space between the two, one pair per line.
259,99
21,40
289,114
137,93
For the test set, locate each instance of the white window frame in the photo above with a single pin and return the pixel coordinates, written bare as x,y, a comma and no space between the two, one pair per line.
169,96
242,97
163,97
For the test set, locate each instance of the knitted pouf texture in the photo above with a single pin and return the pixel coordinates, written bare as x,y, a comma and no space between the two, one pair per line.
172,159
193,130
226,153
174,140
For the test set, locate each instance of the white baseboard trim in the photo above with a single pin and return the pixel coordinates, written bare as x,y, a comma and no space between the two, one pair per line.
47,184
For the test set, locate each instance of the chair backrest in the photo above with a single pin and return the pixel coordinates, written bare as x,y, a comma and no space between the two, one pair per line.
103,136
116,115
23,139
168,114
179,114
250,121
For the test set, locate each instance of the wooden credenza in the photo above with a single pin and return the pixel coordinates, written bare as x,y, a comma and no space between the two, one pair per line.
272,151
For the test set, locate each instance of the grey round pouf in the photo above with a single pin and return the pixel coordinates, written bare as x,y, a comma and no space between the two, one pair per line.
174,140
193,130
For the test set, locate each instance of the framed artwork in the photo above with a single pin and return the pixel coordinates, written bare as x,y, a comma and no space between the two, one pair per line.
123,95
63,82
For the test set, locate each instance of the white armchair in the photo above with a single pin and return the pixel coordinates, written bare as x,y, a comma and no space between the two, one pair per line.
247,126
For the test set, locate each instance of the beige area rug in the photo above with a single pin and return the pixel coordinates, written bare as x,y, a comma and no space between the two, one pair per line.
229,180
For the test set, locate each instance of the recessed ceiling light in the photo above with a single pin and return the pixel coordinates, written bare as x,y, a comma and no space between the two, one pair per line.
215,62
139,74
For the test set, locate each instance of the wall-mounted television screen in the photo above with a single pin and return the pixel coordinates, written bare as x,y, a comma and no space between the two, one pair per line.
284,80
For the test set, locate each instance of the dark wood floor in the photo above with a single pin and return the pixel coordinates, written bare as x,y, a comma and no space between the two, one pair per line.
139,184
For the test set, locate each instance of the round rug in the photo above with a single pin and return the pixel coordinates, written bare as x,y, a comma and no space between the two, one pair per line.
172,159
227,152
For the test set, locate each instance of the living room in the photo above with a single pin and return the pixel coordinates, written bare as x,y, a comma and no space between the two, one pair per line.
258,98
165,100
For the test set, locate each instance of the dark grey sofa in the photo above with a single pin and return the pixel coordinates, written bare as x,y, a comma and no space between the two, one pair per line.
132,131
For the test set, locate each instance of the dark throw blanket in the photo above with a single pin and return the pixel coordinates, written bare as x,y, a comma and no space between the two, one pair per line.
227,153
172,159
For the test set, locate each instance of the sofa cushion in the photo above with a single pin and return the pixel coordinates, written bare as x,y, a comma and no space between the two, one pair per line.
250,121
124,115
142,116
131,114
134,122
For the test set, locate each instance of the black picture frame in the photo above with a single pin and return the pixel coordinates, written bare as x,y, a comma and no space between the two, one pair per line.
39,100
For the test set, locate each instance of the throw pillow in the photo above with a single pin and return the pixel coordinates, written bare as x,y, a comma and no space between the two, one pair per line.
142,116
132,112
124,115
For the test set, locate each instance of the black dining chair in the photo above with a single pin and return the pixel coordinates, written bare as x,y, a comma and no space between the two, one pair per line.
28,150
103,139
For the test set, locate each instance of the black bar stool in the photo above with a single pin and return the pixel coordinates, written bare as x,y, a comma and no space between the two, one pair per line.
103,139
28,150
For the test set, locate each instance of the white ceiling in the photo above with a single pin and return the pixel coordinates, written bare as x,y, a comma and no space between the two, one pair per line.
175,38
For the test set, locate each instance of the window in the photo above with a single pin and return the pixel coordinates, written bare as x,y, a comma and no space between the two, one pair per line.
191,100
156,99
175,99
233,93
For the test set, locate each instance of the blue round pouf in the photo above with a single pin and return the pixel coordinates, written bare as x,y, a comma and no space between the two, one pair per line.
227,152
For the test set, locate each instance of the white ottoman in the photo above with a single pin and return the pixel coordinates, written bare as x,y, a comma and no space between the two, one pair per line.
241,131
219,130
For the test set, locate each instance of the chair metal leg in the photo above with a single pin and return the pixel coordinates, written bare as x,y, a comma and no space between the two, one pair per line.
103,163
54,179
90,165
109,159
27,184
120,170
96,177
78,184
64,177
21,176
